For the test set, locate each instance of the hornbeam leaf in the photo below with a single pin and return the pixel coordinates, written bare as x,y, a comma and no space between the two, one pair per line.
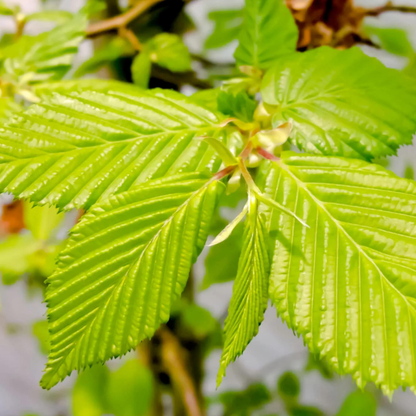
85,143
342,103
47,56
249,300
123,266
347,283
269,31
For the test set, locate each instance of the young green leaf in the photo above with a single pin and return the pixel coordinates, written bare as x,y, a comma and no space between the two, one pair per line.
7,108
141,69
345,283
47,56
249,299
83,144
6,10
359,403
269,31
239,105
57,16
168,51
227,26
342,103
395,41
125,263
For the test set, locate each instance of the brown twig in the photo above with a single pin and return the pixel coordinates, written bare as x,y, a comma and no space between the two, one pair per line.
117,22
174,361
389,7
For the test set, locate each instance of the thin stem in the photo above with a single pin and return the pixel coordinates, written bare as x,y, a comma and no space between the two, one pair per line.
122,20
389,7
173,358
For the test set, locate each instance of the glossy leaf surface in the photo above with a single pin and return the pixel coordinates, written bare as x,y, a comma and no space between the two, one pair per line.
342,103
123,266
82,144
347,283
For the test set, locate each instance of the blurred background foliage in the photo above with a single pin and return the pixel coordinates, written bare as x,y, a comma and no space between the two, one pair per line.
142,41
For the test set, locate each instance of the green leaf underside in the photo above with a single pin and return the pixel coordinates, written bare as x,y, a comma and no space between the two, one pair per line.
342,103
49,55
347,283
77,147
124,264
268,32
250,291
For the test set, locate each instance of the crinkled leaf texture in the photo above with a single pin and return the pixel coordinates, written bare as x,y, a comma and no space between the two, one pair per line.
269,31
342,103
250,291
124,264
348,282
83,142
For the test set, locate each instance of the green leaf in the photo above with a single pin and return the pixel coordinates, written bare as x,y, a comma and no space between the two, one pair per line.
346,283
242,402
288,386
227,26
40,331
5,10
220,268
140,69
395,41
83,144
57,16
88,397
111,51
321,365
130,390
7,108
301,410
269,31
168,51
240,105
41,221
47,56
198,321
342,103
359,403
125,263
249,300
15,256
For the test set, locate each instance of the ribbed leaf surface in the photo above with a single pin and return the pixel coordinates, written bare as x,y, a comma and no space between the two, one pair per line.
80,145
123,266
268,32
342,103
250,291
347,283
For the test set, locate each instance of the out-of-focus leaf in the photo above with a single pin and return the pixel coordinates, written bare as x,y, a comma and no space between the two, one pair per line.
395,41
300,410
315,363
288,386
89,395
243,402
41,332
6,10
57,16
410,69
44,57
130,390
239,105
168,51
198,320
227,26
43,262
409,172
15,254
116,48
41,221
140,69
269,31
359,403
221,263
